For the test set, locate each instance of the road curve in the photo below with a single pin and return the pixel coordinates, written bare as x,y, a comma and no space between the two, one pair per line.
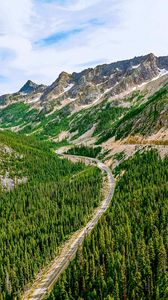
46,279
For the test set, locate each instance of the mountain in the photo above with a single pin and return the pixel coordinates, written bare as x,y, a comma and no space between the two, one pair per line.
31,87
29,93
92,85
95,84
111,101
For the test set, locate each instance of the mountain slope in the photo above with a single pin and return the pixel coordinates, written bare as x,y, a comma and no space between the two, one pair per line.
144,119
111,100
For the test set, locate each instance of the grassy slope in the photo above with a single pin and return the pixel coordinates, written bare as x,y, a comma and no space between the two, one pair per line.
143,119
17,114
104,115
21,114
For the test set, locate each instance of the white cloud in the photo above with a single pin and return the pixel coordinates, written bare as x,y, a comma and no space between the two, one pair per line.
15,16
109,30
81,5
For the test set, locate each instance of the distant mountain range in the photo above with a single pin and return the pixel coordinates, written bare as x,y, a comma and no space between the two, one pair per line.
92,85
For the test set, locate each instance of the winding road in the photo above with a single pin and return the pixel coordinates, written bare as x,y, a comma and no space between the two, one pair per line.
48,277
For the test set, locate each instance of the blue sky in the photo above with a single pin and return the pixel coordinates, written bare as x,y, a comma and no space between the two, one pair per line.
58,37
41,38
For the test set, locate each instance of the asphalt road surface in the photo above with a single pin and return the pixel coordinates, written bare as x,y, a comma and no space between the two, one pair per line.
48,277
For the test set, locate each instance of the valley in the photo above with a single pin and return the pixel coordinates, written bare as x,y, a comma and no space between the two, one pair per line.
57,143
46,279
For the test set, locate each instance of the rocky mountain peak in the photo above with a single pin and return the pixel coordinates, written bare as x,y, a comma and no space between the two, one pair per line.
62,80
58,87
149,68
151,57
151,60
63,77
30,87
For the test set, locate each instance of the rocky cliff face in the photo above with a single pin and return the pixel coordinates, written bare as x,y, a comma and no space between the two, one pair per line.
94,84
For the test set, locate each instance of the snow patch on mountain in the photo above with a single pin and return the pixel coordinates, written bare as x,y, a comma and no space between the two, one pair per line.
135,67
34,100
163,72
68,87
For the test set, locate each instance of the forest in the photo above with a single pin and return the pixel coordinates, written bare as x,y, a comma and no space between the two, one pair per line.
125,256
37,216
84,151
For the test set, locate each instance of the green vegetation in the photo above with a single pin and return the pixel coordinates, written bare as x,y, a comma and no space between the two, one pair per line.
9,161
37,216
142,119
60,144
55,123
103,115
17,114
125,256
102,156
119,156
31,121
85,151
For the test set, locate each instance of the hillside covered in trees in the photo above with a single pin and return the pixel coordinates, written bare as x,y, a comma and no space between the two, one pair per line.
36,216
84,151
125,256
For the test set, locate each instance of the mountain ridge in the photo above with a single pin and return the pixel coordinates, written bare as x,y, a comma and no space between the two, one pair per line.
93,84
